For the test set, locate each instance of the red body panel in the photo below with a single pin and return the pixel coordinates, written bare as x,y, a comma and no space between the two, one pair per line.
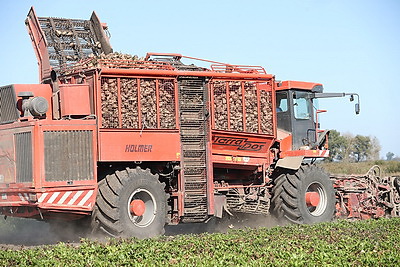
238,150
139,146
39,192
306,153
285,85
74,99
39,43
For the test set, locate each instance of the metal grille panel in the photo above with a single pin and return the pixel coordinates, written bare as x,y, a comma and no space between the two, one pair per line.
109,103
8,107
69,40
251,107
266,112
129,103
138,103
167,104
68,155
220,107
236,106
148,106
23,157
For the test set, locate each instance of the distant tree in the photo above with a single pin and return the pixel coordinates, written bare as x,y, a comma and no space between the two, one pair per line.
361,148
389,156
375,149
349,148
337,146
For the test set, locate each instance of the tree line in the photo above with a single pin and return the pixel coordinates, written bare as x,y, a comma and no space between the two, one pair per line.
350,148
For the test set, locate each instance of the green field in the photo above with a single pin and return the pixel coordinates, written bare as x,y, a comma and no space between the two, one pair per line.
343,243
388,168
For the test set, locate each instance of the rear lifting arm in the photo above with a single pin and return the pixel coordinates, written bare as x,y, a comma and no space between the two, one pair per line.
329,95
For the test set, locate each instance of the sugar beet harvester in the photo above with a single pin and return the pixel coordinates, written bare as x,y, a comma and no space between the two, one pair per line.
123,145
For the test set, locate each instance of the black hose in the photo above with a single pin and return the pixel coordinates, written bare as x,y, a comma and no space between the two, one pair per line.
397,184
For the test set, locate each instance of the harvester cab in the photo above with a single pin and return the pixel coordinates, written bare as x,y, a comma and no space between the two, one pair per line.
298,113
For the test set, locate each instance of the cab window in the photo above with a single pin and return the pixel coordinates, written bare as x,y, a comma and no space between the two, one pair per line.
281,102
302,106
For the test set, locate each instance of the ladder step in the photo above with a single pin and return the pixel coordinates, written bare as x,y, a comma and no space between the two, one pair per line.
201,159
195,185
199,203
194,171
190,177
193,153
193,147
192,132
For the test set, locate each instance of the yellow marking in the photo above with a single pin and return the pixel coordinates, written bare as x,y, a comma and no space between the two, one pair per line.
228,158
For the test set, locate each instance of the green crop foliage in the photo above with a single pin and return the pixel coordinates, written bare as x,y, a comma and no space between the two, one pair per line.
388,168
341,243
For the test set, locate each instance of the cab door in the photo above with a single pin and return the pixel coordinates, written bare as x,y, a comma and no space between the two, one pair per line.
295,114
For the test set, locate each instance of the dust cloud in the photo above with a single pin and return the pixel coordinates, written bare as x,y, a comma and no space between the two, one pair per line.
16,233
25,232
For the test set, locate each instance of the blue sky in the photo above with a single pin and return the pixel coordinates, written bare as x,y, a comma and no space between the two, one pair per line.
349,46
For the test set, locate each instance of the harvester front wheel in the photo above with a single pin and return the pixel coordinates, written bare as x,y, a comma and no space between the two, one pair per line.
304,196
130,203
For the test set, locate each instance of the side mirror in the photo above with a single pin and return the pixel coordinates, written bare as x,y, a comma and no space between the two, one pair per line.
357,105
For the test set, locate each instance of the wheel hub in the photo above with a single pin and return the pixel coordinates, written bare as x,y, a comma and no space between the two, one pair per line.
137,207
312,199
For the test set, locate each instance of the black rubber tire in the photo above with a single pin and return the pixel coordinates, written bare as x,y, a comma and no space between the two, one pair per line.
111,214
288,201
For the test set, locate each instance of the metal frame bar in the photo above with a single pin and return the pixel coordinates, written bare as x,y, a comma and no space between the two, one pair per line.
243,106
157,103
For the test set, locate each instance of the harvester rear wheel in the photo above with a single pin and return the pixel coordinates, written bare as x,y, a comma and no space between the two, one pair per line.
130,203
304,196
